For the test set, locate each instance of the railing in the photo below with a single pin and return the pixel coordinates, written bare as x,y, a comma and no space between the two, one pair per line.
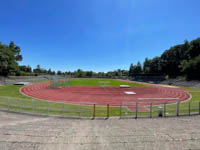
125,110
164,109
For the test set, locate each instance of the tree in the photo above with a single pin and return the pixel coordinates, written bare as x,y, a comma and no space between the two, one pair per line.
138,69
131,70
192,68
37,69
16,51
194,49
59,72
28,69
9,57
89,74
146,66
155,66
49,71
79,73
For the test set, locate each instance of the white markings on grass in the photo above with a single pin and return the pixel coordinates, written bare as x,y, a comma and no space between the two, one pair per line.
129,92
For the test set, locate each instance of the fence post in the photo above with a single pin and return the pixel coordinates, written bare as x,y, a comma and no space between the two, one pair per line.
32,105
35,106
150,110
94,111
177,109
136,115
165,109
121,110
108,111
47,107
8,105
63,108
18,104
189,108
199,107
21,105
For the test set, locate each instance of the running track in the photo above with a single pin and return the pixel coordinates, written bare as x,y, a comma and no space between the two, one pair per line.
106,95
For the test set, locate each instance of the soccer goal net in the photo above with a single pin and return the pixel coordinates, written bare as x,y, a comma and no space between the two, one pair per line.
60,82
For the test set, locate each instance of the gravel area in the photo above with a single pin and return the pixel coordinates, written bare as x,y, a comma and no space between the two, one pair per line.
24,132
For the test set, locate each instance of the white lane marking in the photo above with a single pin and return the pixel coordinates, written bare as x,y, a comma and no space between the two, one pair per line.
129,92
158,98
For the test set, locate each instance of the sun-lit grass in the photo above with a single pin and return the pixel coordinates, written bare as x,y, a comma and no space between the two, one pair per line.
94,82
98,82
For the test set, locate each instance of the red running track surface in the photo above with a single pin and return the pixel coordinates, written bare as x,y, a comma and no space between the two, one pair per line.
88,95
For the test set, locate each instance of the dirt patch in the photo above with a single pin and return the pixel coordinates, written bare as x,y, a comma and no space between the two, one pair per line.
113,134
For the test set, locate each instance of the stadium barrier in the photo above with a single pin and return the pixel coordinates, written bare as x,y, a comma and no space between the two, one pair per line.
159,109
125,110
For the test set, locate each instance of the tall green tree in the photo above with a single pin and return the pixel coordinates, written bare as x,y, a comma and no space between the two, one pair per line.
138,69
146,66
192,68
131,70
9,58
194,49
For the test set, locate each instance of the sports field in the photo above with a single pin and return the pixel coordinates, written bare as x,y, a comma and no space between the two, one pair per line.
80,97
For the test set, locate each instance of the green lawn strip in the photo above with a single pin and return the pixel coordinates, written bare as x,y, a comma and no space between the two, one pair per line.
98,82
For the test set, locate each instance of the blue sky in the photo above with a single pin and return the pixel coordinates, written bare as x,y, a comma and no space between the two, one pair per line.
98,35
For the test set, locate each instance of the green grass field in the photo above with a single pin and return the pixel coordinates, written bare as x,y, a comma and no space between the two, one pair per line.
96,82
12,99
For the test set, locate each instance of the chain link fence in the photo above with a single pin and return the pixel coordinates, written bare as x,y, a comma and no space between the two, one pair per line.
125,110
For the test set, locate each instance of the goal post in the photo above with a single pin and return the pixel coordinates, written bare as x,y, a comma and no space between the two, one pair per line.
60,82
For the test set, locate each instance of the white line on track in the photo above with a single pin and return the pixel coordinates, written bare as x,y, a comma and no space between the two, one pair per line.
157,98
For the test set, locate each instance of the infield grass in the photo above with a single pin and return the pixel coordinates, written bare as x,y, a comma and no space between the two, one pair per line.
99,82
95,82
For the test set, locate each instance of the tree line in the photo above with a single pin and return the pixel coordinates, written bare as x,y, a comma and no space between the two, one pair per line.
9,66
179,60
9,58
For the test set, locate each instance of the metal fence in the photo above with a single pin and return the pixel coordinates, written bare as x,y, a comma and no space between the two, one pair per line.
125,110
160,109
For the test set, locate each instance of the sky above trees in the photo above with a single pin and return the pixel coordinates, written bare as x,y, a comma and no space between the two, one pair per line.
98,35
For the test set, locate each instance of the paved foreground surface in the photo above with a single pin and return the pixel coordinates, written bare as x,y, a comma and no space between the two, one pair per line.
23,132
